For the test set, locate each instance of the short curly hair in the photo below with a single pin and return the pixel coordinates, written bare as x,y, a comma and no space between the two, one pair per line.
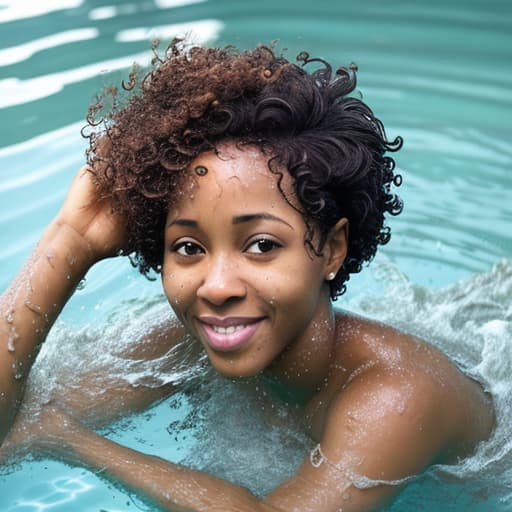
195,98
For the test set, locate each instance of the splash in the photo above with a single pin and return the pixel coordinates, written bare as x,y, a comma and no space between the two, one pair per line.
471,322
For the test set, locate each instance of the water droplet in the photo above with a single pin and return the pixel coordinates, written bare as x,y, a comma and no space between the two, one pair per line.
36,308
50,257
17,371
81,284
10,343
400,408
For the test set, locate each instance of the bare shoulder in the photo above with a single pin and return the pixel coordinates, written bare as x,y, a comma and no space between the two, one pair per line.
392,406
414,385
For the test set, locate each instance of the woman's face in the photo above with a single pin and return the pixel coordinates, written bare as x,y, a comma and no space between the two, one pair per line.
235,269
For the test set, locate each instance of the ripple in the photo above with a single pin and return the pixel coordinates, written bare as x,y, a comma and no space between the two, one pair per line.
14,91
11,10
438,74
200,32
14,54
60,491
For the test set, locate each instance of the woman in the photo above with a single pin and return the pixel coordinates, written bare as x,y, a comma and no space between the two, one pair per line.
255,189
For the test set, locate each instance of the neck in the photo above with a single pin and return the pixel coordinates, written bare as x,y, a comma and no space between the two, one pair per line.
303,367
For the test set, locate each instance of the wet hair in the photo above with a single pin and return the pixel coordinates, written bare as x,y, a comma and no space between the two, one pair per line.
308,122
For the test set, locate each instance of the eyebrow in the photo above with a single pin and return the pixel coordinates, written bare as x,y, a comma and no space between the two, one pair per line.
239,219
183,222
189,223
258,216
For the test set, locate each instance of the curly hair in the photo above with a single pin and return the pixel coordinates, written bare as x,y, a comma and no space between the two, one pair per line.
194,98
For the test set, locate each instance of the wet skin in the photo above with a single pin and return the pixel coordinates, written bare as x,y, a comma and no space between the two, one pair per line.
239,277
382,404
237,272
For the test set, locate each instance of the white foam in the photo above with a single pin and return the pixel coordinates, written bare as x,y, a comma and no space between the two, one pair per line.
468,320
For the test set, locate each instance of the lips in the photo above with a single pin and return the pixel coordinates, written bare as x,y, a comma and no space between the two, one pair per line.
226,334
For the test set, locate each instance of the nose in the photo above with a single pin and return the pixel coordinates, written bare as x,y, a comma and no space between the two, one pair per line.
221,282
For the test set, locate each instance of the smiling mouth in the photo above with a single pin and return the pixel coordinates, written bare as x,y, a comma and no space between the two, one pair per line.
229,334
228,330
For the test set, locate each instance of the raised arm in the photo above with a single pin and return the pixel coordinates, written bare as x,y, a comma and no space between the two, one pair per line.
83,232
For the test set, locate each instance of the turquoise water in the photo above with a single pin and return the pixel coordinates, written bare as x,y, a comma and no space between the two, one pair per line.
438,73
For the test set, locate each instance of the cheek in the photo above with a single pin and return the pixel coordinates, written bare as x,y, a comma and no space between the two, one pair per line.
293,291
177,289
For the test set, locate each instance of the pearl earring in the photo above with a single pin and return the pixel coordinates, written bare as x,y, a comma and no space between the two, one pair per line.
331,276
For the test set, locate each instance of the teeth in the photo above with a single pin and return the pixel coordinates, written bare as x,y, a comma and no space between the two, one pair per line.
228,330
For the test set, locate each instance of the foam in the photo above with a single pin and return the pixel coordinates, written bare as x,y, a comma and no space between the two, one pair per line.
469,320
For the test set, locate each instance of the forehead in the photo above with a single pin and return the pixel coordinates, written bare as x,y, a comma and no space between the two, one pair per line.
248,165
237,173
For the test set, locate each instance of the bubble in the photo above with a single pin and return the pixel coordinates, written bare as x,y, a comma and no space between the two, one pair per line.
81,284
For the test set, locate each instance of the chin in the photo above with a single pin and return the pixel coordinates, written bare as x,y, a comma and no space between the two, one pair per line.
234,370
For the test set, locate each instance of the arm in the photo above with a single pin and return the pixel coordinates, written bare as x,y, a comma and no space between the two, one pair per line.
379,428
83,232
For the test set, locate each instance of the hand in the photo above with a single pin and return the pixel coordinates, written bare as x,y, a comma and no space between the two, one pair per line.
92,217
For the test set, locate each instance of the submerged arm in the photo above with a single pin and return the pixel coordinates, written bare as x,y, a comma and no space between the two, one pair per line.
170,486
369,435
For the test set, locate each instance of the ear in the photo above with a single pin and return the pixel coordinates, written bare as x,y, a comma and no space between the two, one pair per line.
335,248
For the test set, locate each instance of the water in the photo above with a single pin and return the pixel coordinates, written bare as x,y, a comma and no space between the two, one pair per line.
437,73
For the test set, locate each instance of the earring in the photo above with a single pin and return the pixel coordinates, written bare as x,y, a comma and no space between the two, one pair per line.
331,276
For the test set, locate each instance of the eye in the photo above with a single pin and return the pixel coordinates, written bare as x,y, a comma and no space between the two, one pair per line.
262,246
187,248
